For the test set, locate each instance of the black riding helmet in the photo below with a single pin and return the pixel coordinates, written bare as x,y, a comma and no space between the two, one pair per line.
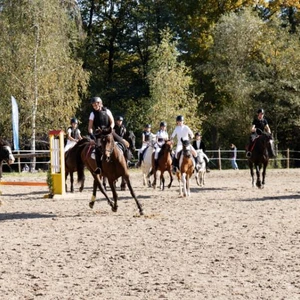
148,126
74,120
162,124
260,110
119,118
179,118
95,100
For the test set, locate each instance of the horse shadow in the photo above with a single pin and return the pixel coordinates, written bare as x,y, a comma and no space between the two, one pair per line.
24,216
270,198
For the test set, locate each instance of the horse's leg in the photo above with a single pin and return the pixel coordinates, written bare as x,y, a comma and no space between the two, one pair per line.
98,183
66,177
251,172
183,179
123,185
72,181
155,177
198,178
150,172
162,180
171,176
82,184
264,173
104,183
112,185
133,194
258,180
188,191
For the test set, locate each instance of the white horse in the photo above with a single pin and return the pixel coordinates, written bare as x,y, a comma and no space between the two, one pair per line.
146,165
200,175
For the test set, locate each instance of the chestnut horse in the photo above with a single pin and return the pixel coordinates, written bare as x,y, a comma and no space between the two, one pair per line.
259,159
186,169
164,164
114,166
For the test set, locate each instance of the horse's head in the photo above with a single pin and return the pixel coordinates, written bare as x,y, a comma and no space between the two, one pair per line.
130,138
186,151
200,155
167,146
6,153
107,143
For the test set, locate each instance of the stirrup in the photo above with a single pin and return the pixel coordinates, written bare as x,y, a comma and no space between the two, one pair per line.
248,154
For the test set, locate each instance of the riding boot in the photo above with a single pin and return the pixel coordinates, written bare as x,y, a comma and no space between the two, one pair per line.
139,163
196,163
175,164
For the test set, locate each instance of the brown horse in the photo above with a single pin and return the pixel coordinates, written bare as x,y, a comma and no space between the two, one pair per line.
186,170
259,159
164,164
85,156
114,166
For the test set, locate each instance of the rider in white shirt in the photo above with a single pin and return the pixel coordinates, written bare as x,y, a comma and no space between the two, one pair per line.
183,132
161,136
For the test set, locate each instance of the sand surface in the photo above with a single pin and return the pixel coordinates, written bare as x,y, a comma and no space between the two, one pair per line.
226,241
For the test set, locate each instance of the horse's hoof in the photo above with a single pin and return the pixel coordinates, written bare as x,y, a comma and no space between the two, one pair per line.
91,204
80,190
114,209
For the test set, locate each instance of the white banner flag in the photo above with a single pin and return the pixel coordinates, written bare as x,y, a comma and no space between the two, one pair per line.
15,122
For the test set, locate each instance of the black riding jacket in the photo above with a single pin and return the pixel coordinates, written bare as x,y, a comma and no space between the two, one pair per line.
101,119
120,130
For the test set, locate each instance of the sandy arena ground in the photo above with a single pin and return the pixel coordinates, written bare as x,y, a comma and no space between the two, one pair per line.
227,241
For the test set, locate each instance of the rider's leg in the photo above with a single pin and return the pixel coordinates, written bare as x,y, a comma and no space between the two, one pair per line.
98,154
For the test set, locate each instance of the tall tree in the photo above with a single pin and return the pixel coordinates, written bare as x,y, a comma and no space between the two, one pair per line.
38,39
170,86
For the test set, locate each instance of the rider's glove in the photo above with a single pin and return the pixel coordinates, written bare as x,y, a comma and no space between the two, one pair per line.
92,137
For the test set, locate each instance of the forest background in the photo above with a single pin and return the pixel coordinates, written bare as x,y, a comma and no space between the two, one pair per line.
213,61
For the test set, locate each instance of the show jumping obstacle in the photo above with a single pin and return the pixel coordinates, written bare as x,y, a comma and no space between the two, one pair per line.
57,165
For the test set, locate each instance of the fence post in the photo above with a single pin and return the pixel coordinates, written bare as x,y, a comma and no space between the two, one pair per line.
288,158
219,158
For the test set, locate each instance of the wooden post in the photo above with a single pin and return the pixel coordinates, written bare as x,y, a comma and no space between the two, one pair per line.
288,158
220,161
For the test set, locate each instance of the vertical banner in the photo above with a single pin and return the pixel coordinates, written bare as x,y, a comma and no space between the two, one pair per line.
15,122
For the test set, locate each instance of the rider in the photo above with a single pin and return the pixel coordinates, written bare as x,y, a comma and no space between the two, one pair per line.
182,132
102,118
120,128
259,126
199,144
146,138
161,136
73,135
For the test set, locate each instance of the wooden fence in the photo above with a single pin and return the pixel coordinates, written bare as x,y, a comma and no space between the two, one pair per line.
219,159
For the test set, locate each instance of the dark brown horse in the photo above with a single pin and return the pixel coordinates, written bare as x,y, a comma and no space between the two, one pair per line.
114,166
5,154
186,169
259,159
71,165
164,164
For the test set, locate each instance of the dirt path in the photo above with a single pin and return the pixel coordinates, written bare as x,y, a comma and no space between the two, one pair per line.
227,241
